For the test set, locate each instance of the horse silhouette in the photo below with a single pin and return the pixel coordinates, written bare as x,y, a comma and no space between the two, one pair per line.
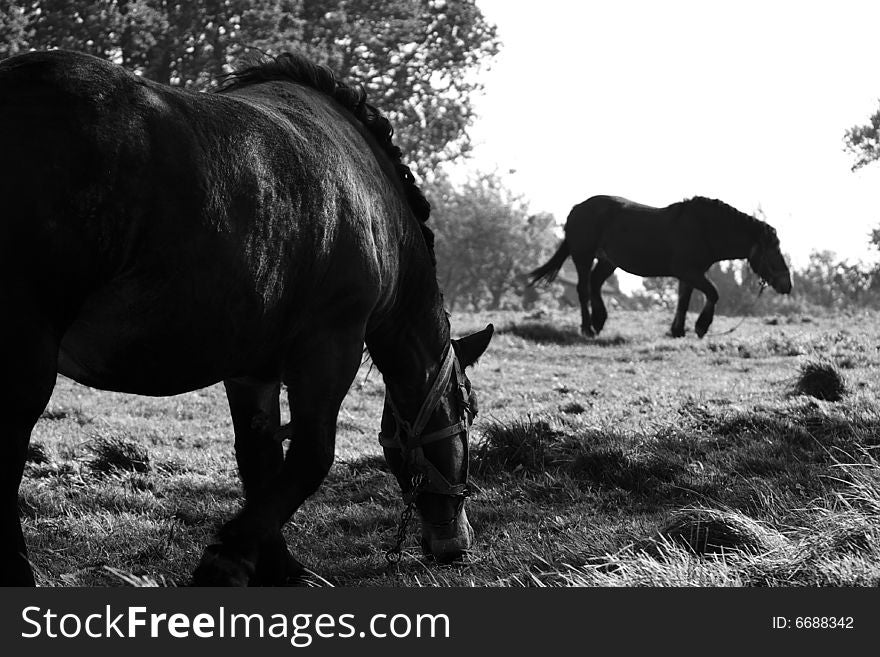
155,240
681,240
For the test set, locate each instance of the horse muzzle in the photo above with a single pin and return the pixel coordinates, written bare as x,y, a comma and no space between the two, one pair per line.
448,543
782,284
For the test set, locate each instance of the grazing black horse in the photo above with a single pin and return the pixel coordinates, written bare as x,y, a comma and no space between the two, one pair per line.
681,240
155,241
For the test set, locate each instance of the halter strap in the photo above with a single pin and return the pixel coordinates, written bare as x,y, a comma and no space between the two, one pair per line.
393,442
414,438
431,401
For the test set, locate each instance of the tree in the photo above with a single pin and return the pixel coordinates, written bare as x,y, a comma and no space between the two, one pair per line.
832,283
863,141
13,28
662,290
486,239
417,59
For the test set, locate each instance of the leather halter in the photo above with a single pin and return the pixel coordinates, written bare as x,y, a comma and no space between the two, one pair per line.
761,263
411,439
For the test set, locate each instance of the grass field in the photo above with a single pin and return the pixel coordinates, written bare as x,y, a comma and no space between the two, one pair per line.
631,459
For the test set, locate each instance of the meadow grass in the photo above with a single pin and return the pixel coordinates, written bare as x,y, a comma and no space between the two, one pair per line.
632,459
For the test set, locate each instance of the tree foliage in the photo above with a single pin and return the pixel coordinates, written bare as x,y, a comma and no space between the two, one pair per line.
863,141
832,283
486,240
417,59
661,290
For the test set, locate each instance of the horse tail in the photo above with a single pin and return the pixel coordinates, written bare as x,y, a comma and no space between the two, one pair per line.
547,272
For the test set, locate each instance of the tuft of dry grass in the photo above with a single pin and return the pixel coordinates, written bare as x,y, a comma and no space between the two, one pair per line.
544,333
820,379
713,531
533,444
36,453
573,408
111,453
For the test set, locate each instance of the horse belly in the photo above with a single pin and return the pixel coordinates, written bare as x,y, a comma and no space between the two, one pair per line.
160,352
638,261
639,246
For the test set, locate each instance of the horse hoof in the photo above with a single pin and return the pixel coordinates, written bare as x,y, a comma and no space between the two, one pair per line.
701,331
221,566
445,552
279,570
448,546
676,333
588,332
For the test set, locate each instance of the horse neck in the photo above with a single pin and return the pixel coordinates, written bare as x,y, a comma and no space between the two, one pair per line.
734,240
409,342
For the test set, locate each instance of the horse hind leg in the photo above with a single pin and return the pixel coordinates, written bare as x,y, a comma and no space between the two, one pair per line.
584,265
601,272
29,353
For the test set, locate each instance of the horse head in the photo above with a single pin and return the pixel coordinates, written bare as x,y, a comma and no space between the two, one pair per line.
429,455
767,261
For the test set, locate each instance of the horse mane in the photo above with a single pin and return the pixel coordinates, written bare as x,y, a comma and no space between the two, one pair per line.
761,228
293,67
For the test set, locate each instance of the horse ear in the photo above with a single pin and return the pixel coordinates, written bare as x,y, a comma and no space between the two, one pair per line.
471,347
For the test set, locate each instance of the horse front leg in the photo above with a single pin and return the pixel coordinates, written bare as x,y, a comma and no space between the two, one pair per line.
256,418
705,286
252,549
30,362
684,301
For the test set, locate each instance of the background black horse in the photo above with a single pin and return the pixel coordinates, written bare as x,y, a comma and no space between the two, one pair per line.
155,241
681,240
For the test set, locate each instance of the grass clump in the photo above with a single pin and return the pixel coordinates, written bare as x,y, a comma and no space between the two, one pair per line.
544,333
820,379
36,453
713,531
578,458
114,453
531,444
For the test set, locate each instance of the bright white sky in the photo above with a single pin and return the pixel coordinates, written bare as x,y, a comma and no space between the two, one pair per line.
657,101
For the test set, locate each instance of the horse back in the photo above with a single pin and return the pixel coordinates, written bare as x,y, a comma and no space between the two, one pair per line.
184,228
641,239
591,221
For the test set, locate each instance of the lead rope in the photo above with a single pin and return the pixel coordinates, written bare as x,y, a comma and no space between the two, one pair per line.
419,481
749,309
393,554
